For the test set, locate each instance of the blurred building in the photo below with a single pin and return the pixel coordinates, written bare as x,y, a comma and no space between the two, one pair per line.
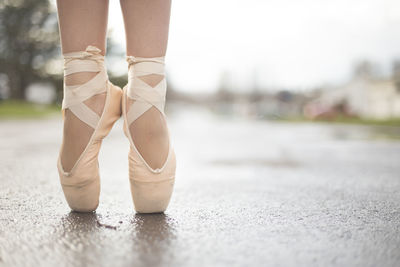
366,96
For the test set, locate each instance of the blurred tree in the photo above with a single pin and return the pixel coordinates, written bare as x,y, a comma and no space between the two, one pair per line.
28,39
116,52
396,74
366,69
284,96
224,92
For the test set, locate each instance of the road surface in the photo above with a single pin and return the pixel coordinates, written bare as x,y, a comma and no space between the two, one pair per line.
248,193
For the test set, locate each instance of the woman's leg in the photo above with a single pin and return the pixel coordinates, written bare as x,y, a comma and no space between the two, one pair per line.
146,28
82,23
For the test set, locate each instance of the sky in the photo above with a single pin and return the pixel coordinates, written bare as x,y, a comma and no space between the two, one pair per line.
272,44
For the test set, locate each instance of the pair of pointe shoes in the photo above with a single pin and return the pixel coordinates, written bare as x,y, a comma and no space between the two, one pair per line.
151,188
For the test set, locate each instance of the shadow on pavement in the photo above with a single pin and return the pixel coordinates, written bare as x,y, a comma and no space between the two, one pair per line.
154,236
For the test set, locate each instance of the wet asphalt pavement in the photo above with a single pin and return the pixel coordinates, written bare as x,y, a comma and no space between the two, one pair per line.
248,193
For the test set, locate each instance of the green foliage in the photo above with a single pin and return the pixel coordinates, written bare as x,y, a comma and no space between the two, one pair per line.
28,39
17,109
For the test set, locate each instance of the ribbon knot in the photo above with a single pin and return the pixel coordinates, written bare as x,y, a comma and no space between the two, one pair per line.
89,60
134,60
90,53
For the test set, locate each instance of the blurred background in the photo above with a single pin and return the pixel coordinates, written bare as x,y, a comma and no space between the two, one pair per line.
273,60
284,116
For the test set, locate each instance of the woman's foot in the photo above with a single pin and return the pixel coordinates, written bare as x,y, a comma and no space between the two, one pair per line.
76,134
149,132
152,161
91,105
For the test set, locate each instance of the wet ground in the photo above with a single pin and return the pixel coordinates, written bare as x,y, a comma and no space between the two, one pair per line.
247,194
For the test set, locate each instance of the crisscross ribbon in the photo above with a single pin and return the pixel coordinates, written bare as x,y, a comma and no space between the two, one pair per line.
90,60
145,96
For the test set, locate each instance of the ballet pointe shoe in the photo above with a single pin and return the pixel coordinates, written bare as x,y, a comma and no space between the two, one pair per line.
81,184
151,188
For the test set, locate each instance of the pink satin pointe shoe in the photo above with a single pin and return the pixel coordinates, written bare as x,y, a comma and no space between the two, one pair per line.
81,184
151,188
